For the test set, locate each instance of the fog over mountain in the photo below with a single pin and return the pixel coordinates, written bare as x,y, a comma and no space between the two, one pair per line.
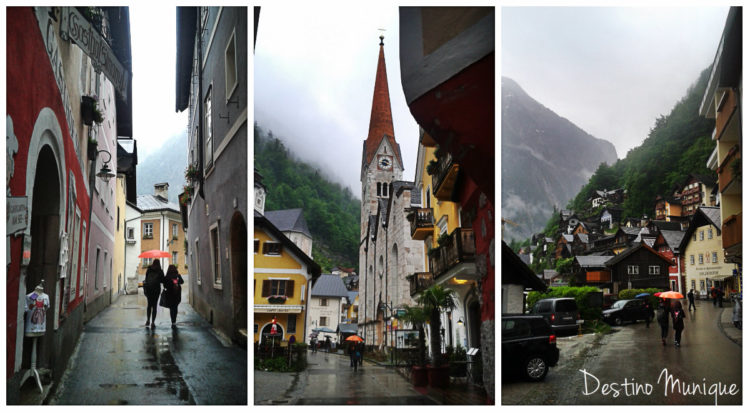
546,159
166,164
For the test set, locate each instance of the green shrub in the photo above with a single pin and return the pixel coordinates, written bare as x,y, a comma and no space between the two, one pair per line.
579,293
631,293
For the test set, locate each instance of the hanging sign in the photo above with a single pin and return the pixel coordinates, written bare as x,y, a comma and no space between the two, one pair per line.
76,28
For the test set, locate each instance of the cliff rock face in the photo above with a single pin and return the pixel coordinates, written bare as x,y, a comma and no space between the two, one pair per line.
546,160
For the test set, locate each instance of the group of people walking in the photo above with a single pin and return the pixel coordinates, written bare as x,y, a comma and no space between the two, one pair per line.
168,297
677,314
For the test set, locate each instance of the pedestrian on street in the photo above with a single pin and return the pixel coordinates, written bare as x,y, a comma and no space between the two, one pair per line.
678,317
151,289
691,299
353,356
173,292
720,297
649,313
662,317
328,344
314,345
361,349
713,295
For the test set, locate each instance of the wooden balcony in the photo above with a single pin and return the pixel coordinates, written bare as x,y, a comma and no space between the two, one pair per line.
726,106
598,276
444,178
726,173
422,223
731,231
419,281
457,249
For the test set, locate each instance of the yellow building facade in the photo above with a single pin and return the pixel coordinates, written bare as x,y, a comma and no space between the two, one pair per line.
704,261
282,279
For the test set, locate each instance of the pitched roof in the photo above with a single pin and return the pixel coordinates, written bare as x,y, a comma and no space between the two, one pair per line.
628,252
673,239
713,214
155,203
583,237
586,261
352,296
289,220
703,216
262,222
514,271
631,231
381,120
329,285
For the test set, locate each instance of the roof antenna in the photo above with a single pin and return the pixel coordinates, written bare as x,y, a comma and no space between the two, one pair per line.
381,36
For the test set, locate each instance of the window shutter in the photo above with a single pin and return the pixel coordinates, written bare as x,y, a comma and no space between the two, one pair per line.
265,248
290,288
266,288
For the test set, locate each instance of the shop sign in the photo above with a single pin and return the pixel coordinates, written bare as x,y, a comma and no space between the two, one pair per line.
708,271
16,214
76,28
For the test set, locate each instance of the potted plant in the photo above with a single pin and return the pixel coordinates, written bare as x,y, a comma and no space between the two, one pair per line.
417,317
434,300
191,173
432,167
458,362
276,299
443,239
87,109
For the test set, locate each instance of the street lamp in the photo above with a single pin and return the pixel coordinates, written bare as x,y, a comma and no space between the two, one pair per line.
105,173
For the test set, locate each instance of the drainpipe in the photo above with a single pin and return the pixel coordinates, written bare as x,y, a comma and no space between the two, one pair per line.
387,320
200,136
374,309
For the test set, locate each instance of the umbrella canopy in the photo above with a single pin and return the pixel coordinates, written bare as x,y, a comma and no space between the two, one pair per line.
354,338
658,294
642,295
155,254
323,330
671,294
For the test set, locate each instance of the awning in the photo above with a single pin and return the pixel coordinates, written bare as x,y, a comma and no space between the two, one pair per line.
272,308
720,277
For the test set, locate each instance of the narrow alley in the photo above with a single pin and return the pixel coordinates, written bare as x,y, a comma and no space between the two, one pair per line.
119,360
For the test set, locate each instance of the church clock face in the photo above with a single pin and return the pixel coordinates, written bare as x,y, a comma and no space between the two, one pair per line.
385,163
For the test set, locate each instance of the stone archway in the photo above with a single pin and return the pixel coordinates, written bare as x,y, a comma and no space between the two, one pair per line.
45,248
267,330
238,260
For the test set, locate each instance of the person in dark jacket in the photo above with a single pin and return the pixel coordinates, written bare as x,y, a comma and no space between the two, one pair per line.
173,292
678,317
662,317
152,288
691,300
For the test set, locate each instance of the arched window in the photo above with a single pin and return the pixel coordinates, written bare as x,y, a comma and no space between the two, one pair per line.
394,272
378,188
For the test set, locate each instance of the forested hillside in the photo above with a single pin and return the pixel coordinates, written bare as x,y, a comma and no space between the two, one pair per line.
331,211
677,145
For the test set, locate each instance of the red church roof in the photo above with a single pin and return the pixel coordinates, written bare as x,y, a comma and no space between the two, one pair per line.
381,121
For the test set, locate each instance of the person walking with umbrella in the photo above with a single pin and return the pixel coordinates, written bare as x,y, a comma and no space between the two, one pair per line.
662,317
678,317
151,289
173,292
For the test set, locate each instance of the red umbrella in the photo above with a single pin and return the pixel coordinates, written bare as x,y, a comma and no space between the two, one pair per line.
658,294
155,254
354,338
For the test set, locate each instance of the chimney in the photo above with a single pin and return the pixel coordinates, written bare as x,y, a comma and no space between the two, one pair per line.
162,190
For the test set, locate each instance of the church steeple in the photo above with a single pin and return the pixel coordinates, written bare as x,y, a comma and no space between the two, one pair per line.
381,121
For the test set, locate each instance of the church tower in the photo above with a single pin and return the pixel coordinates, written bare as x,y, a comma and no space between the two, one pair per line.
381,154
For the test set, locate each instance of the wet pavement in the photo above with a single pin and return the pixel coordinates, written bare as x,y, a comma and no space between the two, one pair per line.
329,380
631,366
118,360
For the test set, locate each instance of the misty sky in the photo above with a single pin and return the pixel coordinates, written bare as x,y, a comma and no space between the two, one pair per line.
610,71
314,75
153,43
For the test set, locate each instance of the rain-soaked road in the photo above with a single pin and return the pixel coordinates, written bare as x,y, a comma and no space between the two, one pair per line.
118,360
637,369
330,380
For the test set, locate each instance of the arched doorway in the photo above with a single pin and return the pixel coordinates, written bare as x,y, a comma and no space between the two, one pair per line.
238,260
265,333
45,247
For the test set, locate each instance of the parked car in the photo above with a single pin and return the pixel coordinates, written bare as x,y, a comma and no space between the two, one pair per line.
561,313
529,346
627,310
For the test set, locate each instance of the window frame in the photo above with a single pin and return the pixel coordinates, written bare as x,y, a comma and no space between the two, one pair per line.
654,270
232,41
215,254
270,247
633,269
208,130
148,234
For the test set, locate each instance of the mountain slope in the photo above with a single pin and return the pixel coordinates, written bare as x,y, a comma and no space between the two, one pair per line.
677,145
167,164
545,160
330,209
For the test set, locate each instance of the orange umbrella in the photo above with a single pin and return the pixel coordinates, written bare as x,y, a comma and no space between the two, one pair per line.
354,338
155,254
671,294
